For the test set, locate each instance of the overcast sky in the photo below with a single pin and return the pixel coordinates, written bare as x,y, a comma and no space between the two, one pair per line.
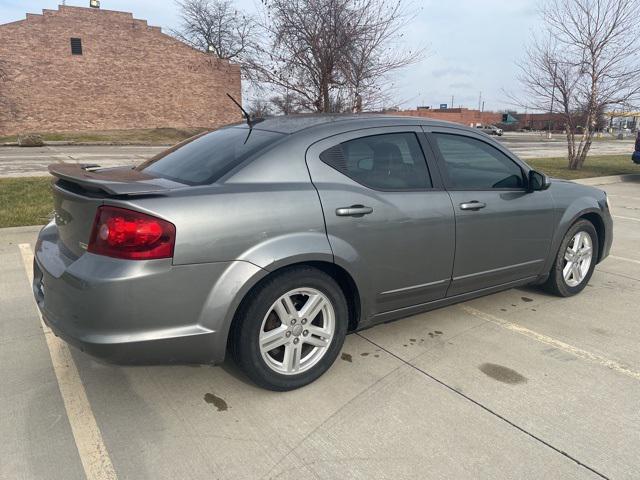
473,44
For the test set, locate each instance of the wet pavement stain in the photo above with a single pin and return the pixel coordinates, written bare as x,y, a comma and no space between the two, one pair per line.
346,357
502,374
217,402
559,354
527,299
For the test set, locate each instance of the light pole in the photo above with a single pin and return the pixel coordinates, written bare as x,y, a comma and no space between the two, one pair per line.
553,96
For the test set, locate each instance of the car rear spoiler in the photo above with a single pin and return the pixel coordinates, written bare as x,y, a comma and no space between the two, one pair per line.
113,181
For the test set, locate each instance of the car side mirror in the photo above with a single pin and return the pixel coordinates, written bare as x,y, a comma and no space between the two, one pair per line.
538,181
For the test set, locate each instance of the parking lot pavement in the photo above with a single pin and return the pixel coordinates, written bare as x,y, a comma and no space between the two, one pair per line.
538,146
519,384
32,162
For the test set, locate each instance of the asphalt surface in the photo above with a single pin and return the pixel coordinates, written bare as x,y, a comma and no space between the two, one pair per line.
22,162
536,145
519,384
33,162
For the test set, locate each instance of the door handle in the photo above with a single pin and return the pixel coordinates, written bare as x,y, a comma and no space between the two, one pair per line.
353,211
473,205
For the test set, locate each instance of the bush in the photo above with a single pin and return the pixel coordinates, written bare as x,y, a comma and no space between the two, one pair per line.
30,141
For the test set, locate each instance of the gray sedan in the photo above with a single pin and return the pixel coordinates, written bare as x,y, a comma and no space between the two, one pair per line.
272,241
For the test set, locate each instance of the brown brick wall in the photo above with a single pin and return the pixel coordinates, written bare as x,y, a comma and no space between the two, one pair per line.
464,116
130,75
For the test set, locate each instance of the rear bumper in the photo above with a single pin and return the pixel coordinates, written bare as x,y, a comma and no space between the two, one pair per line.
135,312
153,351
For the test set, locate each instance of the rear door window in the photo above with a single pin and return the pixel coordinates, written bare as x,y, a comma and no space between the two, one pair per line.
392,161
206,158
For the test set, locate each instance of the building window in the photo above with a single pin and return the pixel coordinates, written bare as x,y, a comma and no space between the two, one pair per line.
76,46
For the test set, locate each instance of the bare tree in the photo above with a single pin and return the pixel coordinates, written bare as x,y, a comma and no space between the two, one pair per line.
260,108
286,103
332,55
374,52
218,27
590,63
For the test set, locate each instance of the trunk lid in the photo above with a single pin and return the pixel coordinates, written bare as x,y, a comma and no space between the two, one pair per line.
111,181
79,190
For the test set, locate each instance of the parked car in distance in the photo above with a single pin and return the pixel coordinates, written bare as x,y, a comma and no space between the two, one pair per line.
636,154
491,130
270,243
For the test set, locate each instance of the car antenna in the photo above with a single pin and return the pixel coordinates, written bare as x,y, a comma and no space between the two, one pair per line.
244,112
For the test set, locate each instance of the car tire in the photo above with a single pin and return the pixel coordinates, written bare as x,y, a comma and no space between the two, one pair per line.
258,323
564,280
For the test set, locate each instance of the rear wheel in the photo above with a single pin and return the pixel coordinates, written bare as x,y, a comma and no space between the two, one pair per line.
575,260
291,329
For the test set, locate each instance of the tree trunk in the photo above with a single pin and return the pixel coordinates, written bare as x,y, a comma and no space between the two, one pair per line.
585,142
589,129
585,150
326,100
571,142
571,145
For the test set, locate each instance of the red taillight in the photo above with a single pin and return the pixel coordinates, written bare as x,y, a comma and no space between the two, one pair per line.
121,233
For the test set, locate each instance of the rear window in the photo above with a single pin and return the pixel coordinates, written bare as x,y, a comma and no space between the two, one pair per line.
206,158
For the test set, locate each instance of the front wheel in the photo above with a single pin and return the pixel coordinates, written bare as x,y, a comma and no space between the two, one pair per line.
291,329
575,260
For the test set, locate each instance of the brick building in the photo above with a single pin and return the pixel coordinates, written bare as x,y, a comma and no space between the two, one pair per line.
469,117
542,121
76,69
464,116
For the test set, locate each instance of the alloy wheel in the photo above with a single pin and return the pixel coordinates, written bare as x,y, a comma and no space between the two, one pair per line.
296,331
578,257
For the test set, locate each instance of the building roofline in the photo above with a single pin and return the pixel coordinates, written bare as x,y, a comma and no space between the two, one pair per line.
48,12
127,16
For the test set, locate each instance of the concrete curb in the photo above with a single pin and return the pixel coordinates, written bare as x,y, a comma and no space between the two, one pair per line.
633,177
25,228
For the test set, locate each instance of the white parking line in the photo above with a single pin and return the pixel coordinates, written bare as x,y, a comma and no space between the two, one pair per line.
578,352
93,453
615,257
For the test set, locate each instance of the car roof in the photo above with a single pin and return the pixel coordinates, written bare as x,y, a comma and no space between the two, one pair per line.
290,124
